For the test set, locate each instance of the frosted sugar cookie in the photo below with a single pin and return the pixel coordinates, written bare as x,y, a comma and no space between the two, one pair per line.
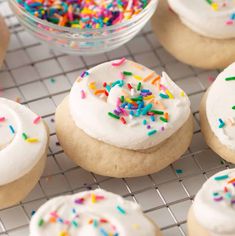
122,119
4,38
213,210
217,115
198,32
23,149
91,213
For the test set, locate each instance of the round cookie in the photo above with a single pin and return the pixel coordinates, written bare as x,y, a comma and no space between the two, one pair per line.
4,39
23,151
95,212
121,119
213,209
217,115
195,33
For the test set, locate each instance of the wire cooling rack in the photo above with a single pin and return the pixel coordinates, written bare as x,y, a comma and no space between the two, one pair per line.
40,78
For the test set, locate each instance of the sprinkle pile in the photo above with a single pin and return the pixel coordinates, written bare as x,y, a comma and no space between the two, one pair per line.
227,194
230,121
78,219
136,100
84,14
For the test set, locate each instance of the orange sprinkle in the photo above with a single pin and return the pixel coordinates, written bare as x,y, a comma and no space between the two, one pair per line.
166,115
231,181
155,79
99,91
148,77
52,220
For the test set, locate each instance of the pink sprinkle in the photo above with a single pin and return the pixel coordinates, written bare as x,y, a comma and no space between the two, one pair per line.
118,102
53,213
162,87
230,22
83,95
67,222
124,112
122,77
120,62
99,197
37,119
2,119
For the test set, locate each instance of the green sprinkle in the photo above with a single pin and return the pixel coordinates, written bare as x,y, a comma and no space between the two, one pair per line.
127,73
52,80
215,194
209,1
179,171
24,135
152,132
157,112
233,107
121,210
139,86
137,99
113,115
40,222
122,99
75,224
163,119
95,223
144,122
230,78
221,177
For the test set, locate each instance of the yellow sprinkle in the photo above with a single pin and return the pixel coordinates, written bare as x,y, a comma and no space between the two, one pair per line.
137,66
93,198
92,86
137,77
148,97
129,100
136,226
64,233
215,6
182,94
169,94
32,140
76,26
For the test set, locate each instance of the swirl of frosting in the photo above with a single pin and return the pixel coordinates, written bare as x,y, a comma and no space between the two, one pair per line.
214,205
91,213
128,105
214,18
220,107
23,140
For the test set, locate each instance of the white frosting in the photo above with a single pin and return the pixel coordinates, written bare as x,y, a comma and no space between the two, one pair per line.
214,205
75,216
90,112
219,104
17,155
203,18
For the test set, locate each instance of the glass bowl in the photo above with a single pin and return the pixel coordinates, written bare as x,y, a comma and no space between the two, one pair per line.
83,41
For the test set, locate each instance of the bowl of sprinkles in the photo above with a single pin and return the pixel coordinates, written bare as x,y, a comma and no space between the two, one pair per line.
84,27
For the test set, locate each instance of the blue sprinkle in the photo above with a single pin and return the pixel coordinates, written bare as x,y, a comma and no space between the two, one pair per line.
152,118
12,129
146,109
222,124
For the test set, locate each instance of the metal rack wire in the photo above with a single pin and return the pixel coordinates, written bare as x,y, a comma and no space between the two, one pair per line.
39,78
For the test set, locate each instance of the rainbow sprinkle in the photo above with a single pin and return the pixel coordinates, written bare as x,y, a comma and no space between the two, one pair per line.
84,14
136,100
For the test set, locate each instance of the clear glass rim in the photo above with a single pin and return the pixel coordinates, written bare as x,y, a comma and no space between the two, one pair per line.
151,4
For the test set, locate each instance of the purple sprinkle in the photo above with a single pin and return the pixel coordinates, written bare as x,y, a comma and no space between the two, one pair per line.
162,128
218,199
117,112
148,127
79,201
233,201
